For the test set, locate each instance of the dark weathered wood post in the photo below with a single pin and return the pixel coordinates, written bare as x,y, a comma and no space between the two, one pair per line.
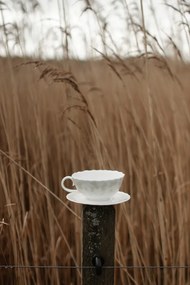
98,242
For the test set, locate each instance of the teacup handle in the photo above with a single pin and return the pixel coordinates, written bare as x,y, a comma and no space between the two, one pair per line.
63,186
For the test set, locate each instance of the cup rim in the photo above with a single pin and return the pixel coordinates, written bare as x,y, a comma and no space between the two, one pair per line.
118,175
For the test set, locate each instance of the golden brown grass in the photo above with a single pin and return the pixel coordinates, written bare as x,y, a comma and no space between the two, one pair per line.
50,129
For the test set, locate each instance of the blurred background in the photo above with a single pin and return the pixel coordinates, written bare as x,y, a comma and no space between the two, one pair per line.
76,28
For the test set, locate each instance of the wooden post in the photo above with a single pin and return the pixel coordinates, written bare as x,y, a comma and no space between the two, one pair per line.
98,243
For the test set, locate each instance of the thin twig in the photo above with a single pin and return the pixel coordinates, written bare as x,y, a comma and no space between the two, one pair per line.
39,182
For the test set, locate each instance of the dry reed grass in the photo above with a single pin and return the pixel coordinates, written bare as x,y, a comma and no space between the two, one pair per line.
48,142
131,115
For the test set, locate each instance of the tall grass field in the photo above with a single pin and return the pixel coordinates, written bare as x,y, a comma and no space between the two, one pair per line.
130,114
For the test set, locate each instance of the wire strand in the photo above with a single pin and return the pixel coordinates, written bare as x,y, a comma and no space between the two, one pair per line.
10,266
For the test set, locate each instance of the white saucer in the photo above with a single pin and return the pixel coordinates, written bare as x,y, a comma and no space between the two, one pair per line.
118,198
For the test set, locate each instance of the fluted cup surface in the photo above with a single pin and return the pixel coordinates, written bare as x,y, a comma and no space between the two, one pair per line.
96,185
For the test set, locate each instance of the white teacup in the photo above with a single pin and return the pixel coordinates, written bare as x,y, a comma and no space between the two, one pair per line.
96,185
